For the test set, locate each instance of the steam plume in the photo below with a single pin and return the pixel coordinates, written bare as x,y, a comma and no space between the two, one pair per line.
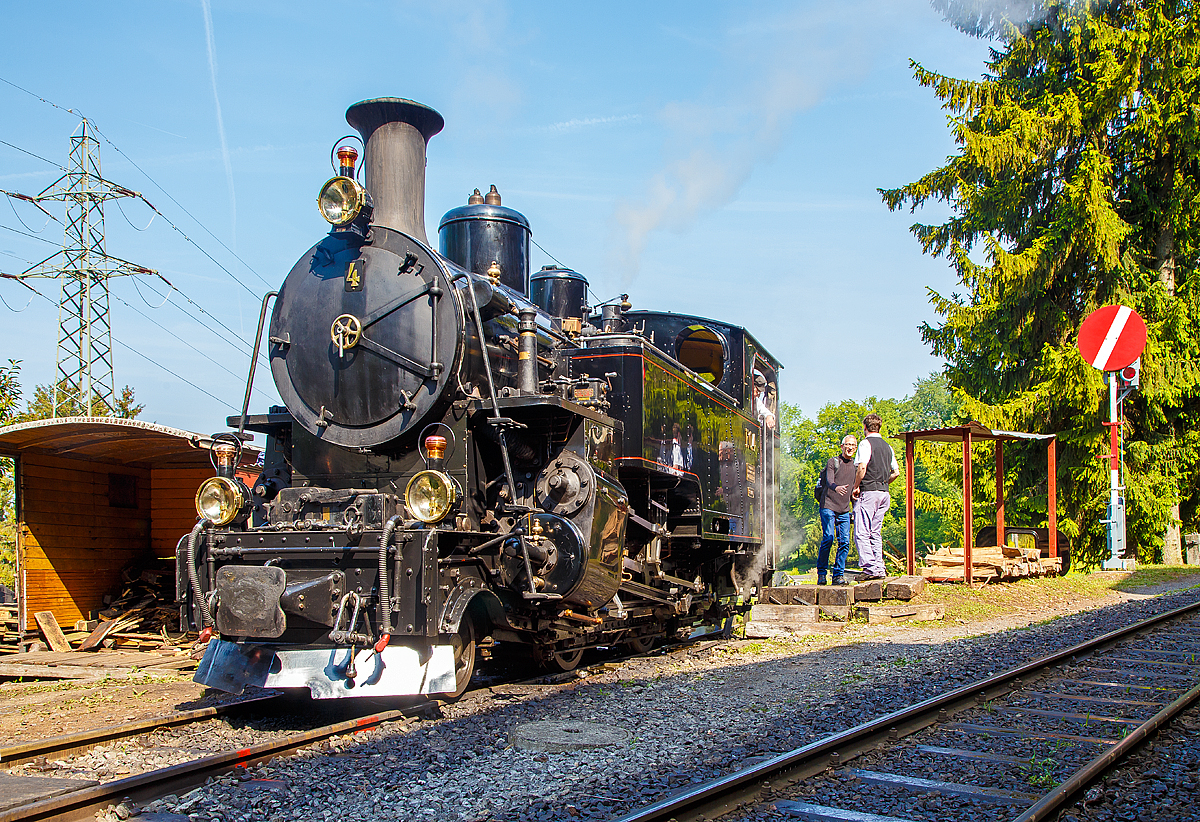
769,70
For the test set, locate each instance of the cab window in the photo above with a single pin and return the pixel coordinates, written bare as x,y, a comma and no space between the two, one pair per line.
703,350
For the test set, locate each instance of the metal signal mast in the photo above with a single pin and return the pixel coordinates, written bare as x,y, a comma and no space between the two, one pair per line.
84,363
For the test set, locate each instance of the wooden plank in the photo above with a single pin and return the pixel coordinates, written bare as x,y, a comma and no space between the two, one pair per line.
101,633
68,535
99,507
11,670
87,464
79,559
904,587
901,613
50,630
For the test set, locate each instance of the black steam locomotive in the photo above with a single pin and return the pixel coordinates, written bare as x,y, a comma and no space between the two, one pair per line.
471,458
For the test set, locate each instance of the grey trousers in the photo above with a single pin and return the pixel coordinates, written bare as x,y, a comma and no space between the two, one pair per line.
868,529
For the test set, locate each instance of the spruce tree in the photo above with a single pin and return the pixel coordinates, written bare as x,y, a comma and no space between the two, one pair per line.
1075,185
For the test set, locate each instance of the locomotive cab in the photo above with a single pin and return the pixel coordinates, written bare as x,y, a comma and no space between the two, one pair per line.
468,461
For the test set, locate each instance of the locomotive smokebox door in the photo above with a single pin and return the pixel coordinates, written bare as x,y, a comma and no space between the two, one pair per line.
248,601
364,340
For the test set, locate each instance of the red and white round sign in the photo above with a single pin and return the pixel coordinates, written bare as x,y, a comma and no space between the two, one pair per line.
1112,337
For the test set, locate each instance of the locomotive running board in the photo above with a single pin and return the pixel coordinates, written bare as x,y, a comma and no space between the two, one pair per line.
399,671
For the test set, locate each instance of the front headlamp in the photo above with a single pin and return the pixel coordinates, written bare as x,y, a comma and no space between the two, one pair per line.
220,500
341,200
429,496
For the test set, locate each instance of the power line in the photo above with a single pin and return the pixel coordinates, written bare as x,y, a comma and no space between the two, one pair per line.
30,153
147,202
154,322
26,234
130,347
197,221
200,308
43,99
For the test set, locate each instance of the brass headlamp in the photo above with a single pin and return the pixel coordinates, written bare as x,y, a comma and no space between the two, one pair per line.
341,200
222,500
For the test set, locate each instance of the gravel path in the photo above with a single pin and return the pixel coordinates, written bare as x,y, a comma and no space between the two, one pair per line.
692,715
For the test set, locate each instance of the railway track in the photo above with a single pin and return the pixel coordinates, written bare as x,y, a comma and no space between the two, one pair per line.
1020,745
140,788
73,744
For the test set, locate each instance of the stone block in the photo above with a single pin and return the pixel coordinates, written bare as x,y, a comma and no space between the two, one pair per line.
905,587
838,595
900,613
784,615
789,595
839,612
868,591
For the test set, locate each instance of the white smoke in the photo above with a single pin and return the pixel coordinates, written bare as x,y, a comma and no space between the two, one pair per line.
767,70
212,70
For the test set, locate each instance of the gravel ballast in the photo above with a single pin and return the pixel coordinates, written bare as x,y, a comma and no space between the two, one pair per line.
692,715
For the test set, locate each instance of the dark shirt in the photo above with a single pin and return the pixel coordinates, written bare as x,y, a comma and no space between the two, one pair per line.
839,474
879,468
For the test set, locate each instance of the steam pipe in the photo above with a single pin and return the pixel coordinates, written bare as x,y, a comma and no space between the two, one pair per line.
395,132
385,596
205,616
527,362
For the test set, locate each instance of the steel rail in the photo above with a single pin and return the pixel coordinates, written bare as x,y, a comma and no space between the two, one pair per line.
73,743
83,804
1049,806
724,794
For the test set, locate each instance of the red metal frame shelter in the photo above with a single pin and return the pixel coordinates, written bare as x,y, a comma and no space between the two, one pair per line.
966,434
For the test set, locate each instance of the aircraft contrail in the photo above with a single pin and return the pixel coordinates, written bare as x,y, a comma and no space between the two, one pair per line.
212,70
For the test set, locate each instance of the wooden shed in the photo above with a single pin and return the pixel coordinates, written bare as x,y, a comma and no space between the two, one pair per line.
93,496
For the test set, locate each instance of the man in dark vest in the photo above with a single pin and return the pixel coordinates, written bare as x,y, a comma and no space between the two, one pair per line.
875,469
836,482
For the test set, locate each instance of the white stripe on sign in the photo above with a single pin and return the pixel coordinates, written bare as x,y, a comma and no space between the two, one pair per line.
1110,339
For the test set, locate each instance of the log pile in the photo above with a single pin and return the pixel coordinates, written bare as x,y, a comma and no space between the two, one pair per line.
988,563
140,614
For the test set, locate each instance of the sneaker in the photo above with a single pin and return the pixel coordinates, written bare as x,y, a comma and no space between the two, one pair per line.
821,581
872,577
839,581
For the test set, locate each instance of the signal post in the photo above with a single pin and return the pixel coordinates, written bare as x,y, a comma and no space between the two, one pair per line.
1112,339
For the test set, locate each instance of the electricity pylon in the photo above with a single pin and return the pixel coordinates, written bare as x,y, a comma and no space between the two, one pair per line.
84,361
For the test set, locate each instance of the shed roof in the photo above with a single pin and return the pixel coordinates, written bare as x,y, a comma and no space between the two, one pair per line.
978,431
110,439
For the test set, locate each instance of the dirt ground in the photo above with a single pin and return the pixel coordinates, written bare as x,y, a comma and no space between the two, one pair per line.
37,710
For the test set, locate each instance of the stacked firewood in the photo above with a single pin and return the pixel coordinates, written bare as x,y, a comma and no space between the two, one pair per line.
988,563
141,613
10,642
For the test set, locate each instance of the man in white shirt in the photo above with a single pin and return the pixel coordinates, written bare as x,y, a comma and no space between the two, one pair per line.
875,469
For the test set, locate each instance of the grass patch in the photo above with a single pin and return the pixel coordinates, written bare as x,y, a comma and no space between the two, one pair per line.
1148,575
999,599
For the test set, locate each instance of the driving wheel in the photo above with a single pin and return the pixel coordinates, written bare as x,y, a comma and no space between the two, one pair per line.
463,644
565,660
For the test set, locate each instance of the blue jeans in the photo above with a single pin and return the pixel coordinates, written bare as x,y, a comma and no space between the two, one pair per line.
832,523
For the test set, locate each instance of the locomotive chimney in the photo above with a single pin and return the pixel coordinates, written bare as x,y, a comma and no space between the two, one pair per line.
395,133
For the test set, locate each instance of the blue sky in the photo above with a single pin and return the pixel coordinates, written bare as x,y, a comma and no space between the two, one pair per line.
718,159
